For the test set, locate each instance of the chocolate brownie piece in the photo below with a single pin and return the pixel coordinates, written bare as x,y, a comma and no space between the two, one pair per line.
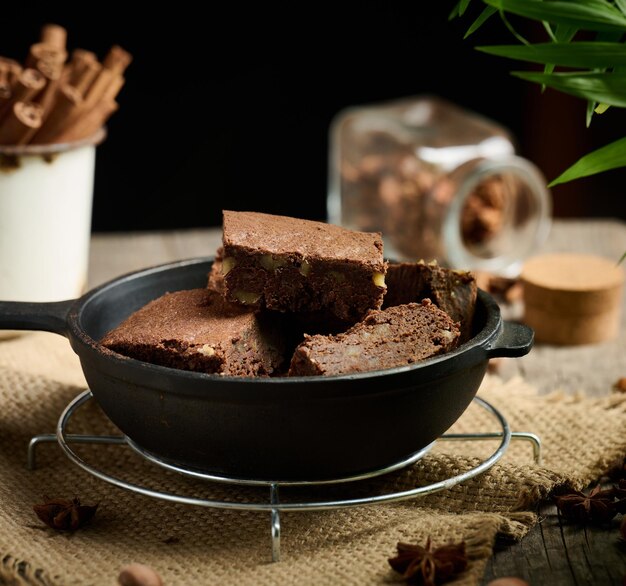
396,336
215,280
296,324
197,330
453,291
295,265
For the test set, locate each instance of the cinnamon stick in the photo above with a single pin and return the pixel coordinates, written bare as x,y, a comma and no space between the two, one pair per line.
44,52
114,87
117,59
81,55
54,35
52,73
99,87
5,85
87,124
91,113
20,125
52,99
28,85
13,67
67,104
83,73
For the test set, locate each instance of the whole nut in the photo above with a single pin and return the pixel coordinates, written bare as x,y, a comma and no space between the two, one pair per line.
137,574
246,297
271,263
227,264
206,350
620,385
379,279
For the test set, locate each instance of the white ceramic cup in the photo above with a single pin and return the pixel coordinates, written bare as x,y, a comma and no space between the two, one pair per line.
46,195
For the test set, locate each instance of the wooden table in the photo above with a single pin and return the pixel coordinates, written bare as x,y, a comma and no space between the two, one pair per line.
552,553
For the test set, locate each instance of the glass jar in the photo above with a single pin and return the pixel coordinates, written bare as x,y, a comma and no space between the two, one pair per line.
439,182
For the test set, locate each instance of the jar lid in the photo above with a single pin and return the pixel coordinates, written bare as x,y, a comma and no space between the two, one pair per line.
572,298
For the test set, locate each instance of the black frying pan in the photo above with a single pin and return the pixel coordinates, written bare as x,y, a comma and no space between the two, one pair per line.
300,428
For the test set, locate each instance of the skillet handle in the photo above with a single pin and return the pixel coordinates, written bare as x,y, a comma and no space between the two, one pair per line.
22,315
513,340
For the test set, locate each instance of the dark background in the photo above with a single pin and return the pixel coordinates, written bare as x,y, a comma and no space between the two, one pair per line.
231,109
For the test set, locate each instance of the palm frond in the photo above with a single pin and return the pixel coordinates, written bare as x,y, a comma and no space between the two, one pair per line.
599,66
611,156
590,15
587,54
487,12
607,88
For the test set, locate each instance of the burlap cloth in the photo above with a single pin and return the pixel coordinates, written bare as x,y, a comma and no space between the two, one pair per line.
39,374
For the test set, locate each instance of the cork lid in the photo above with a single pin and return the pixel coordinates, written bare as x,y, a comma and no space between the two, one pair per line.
572,272
572,298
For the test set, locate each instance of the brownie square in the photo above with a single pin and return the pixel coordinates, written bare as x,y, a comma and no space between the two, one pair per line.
197,330
454,291
396,336
294,265
215,280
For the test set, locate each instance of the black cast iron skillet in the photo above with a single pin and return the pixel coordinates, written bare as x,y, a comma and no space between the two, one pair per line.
299,428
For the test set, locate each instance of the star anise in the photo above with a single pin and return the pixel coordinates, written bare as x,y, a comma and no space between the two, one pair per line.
64,514
423,565
596,507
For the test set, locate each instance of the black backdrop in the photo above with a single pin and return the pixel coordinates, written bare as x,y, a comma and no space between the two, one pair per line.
231,109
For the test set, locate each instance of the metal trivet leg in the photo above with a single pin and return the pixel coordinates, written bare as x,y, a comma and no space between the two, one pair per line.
274,506
275,523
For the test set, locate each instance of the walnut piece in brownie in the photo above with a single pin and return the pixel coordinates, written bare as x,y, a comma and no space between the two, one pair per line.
396,336
453,291
295,265
215,280
197,330
311,322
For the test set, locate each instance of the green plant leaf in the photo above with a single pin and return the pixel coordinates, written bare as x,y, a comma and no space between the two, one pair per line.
602,84
607,88
591,15
611,156
621,4
548,28
459,9
512,30
563,34
463,4
579,54
591,106
487,12
621,260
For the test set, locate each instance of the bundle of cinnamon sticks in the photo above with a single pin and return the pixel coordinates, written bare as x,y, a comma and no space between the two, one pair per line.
52,99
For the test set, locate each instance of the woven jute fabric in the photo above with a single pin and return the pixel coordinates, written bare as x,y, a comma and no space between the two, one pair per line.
582,439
